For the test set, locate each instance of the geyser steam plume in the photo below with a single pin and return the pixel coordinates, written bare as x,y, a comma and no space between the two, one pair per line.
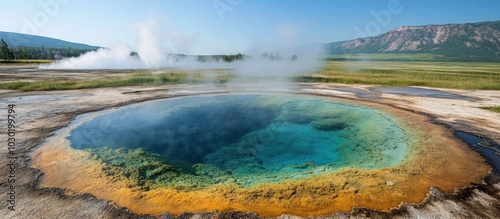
119,56
149,46
151,54
114,57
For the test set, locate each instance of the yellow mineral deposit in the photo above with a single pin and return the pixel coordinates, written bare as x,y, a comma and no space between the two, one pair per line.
437,159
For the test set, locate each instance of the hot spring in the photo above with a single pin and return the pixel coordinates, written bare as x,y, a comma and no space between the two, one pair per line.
243,139
270,154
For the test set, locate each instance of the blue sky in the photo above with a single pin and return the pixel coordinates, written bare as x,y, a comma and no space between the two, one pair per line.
232,26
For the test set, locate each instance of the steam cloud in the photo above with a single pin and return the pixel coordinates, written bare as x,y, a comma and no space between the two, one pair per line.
152,53
115,57
149,46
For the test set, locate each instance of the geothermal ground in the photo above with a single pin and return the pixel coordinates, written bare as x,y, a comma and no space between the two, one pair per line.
446,178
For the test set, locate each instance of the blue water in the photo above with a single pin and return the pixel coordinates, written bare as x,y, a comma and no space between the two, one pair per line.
490,152
279,145
359,92
421,92
252,135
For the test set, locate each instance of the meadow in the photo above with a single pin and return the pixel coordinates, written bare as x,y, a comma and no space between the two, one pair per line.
25,61
137,78
457,75
492,108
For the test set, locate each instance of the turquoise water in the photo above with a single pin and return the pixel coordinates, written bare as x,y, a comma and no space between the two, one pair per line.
250,138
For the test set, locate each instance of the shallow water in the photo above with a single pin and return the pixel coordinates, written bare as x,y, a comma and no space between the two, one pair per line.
243,139
359,92
420,92
490,153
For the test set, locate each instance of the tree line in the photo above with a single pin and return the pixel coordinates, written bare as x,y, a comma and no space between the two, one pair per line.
5,52
218,58
23,52
42,53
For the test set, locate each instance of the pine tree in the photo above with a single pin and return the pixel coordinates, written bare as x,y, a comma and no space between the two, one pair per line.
5,51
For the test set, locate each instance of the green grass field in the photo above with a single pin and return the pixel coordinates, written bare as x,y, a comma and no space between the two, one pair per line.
459,75
385,57
141,78
412,57
26,61
492,108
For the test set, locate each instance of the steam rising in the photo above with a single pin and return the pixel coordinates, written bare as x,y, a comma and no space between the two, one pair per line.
115,57
149,46
152,53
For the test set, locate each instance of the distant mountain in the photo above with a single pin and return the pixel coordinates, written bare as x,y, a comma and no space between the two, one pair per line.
472,40
18,39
